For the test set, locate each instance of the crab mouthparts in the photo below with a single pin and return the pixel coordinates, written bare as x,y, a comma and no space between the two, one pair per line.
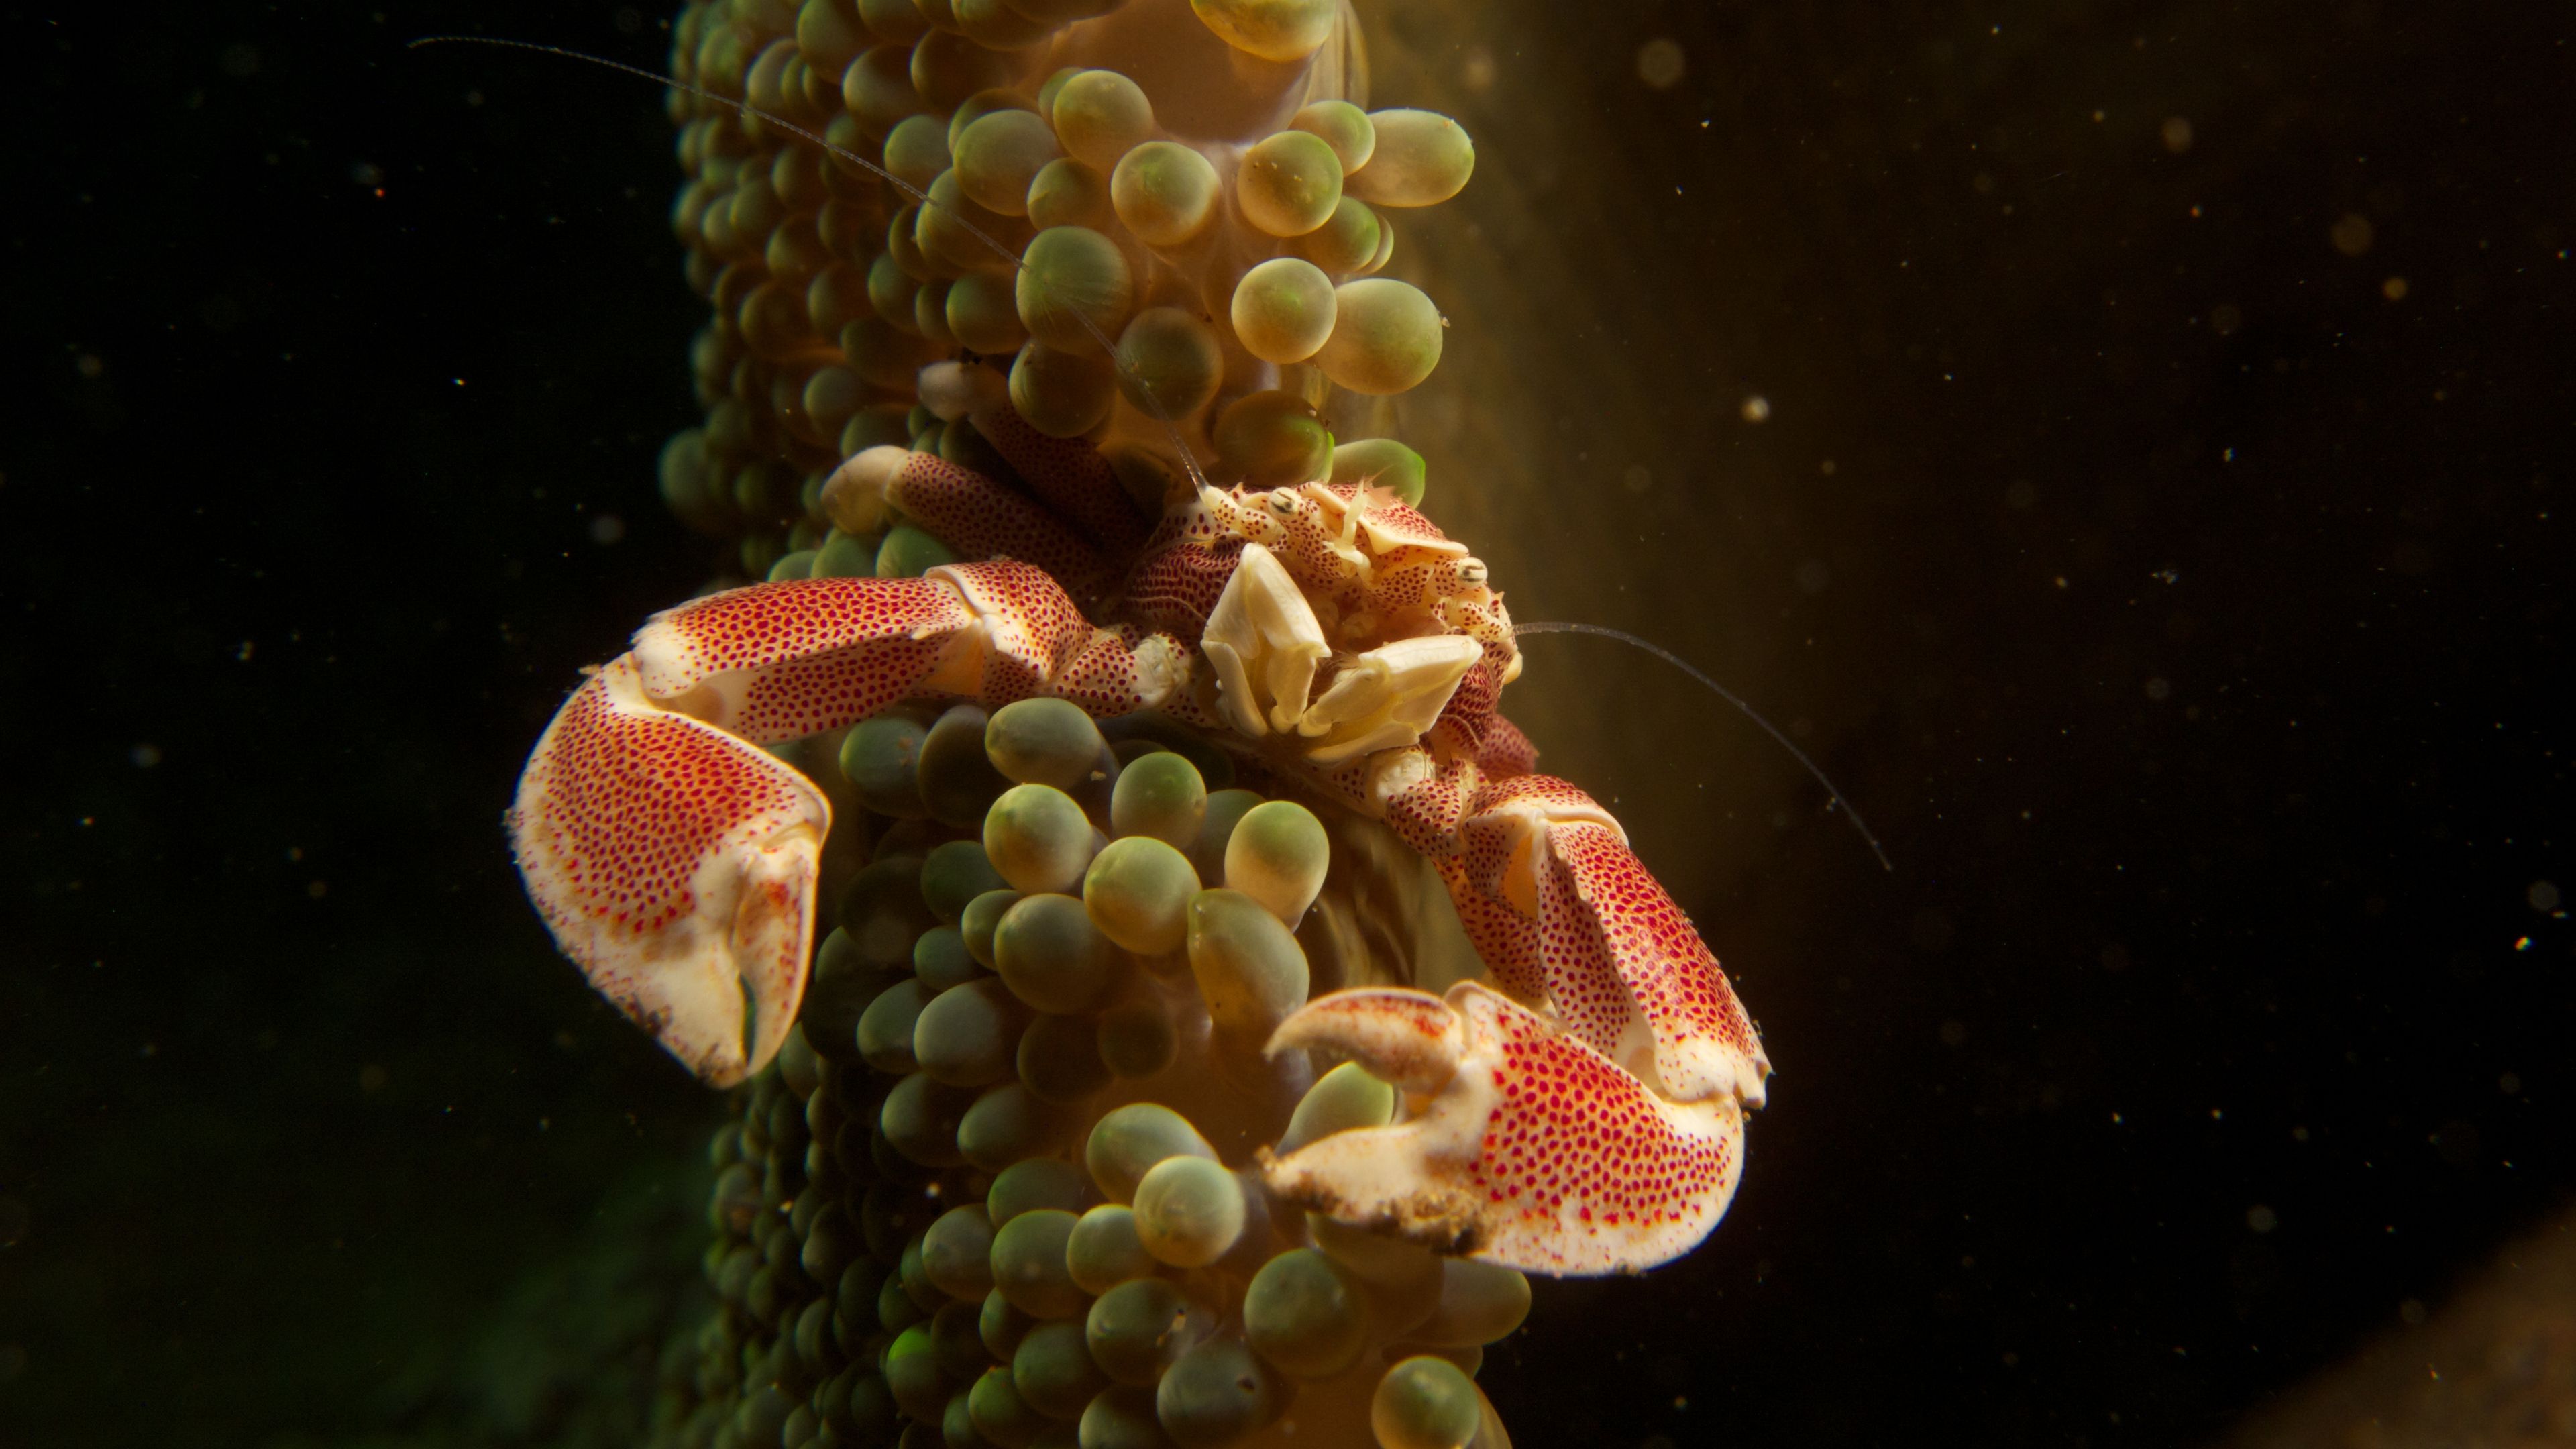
1270,653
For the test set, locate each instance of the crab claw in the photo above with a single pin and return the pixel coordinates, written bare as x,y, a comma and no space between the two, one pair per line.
675,864
675,861
1561,909
1526,1147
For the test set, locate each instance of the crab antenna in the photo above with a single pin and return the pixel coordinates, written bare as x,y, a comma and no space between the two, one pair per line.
1154,403
1721,691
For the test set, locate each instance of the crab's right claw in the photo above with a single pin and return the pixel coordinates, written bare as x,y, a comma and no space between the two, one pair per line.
1526,1147
675,863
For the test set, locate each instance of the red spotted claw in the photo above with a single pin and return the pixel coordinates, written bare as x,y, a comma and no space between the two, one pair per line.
1530,1147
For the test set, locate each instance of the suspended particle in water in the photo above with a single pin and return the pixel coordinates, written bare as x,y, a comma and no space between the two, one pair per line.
1660,63
1476,69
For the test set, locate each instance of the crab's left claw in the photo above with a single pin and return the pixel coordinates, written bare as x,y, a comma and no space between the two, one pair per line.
675,863
1525,1147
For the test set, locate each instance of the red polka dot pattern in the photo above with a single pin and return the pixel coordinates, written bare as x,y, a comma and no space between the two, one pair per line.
1396,524
1112,672
789,659
1408,1039
1473,704
1504,751
626,804
1614,946
1508,941
625,820
1070,477
1175,589
980,519
1042,644
1545,935
1532,1149
1426,817
1582,1169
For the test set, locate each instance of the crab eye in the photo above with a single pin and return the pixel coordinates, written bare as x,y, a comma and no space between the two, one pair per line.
1471,571
1282,504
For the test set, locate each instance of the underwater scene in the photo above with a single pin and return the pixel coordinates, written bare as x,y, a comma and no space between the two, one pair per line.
1154,724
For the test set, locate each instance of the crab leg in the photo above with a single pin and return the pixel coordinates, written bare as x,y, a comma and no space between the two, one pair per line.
1528,1148
1563,912
1623,966
1068,474
675,861
968,511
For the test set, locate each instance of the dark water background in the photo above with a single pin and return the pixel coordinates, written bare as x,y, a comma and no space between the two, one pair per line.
2207,1023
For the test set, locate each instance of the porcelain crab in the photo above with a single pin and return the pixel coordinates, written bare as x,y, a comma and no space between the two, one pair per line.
1582,1114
